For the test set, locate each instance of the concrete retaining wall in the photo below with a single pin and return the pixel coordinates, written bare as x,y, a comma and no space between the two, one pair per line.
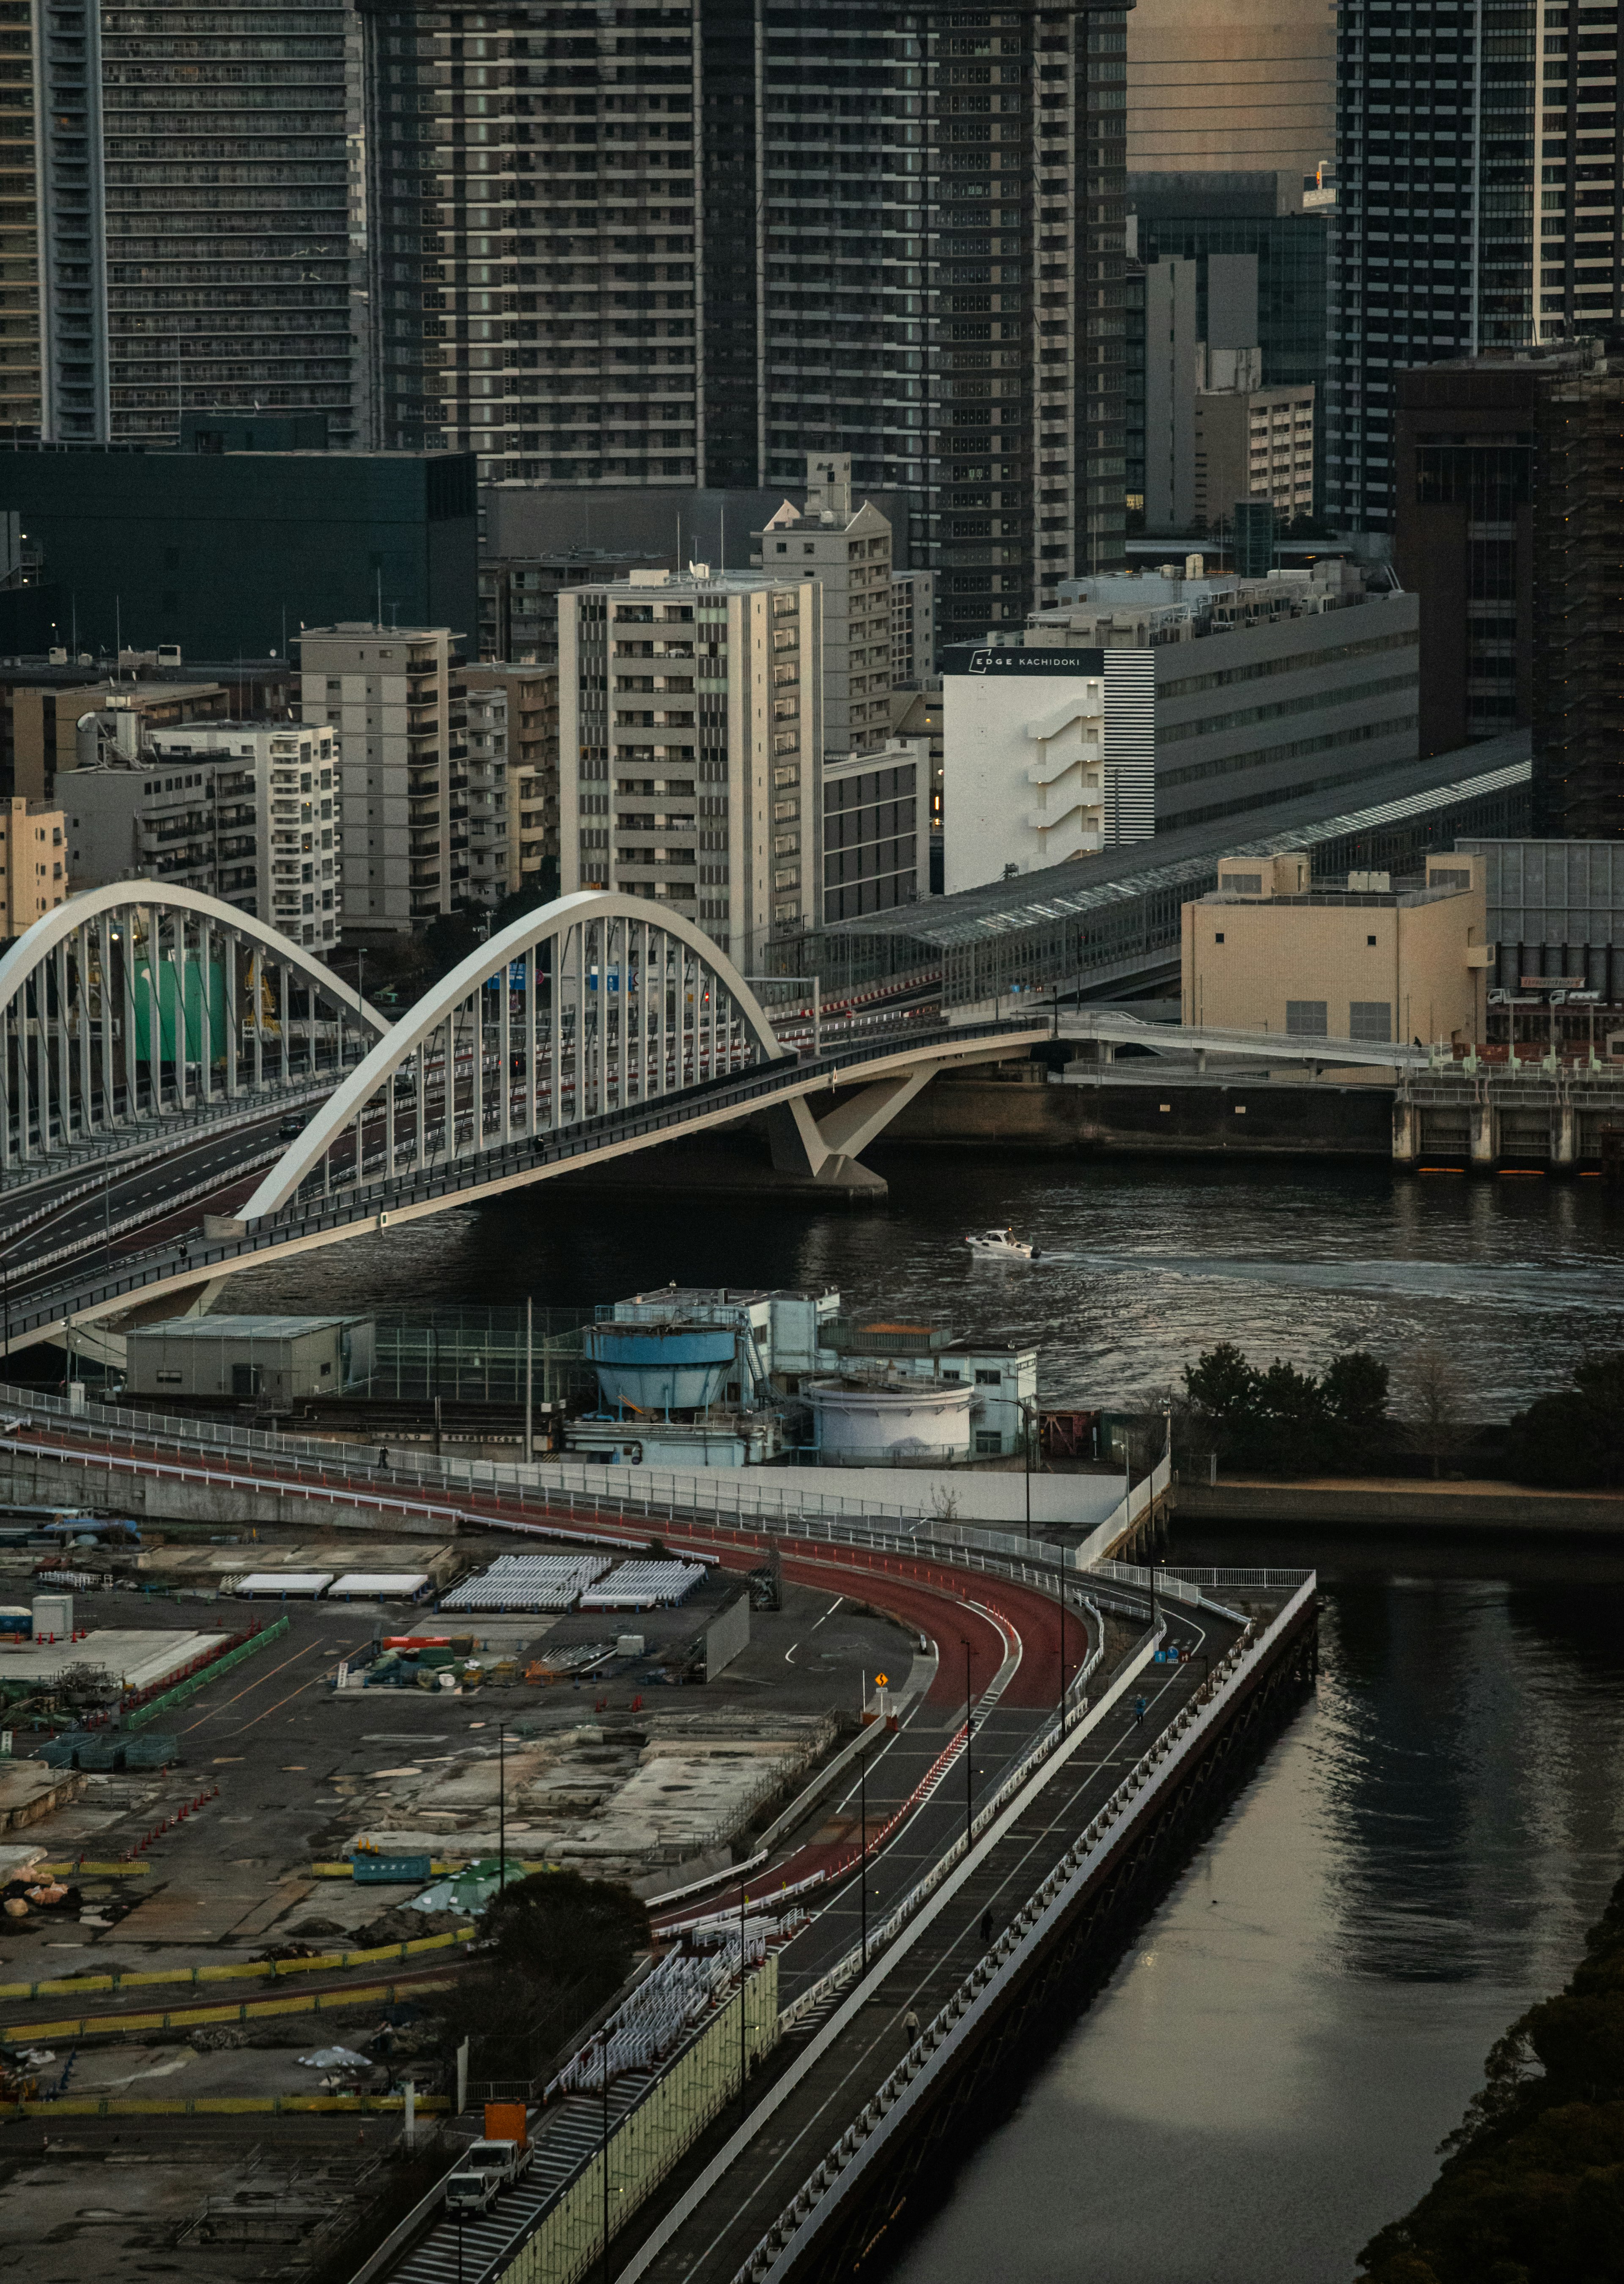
1399,1505
1226,1117
58,1483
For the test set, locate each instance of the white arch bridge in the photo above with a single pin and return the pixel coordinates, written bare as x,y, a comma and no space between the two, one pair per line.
130,1007
594,1027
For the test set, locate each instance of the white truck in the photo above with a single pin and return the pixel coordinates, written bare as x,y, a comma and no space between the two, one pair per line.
485,2169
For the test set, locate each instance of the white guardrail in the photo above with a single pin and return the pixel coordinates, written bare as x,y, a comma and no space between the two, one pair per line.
932,2053
716,1495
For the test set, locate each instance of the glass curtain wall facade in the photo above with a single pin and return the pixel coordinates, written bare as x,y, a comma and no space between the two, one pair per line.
193,222
1469,133
686,244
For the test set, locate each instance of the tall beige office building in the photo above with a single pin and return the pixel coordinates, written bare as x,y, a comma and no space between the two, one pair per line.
690,733
396,700
847,551
1246,87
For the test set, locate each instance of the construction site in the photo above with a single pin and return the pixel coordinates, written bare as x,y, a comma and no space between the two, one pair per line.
246,1906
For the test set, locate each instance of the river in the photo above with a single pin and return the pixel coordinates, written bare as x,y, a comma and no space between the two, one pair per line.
1266,2079
1144,1263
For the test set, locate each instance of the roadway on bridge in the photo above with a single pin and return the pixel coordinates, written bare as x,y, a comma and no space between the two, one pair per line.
90,1292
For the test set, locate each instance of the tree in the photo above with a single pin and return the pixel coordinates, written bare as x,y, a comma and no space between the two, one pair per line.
559,1945
1433,1408
1223,1388
1355,1387
1282,1418
1574,1440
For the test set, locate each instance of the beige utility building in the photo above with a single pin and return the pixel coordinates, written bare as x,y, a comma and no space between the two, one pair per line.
1272,950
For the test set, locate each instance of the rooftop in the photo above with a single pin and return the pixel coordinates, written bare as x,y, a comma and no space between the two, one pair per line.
1173,861
241,1328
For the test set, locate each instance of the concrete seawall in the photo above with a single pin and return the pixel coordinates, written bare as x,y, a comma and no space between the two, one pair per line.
1260,1502
1234,1117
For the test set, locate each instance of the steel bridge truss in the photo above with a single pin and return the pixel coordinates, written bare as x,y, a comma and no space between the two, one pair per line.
128,1004
595,1005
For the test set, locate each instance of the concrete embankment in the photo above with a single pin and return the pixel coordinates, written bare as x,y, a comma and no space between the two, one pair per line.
1397,1503
160,1496
1016,1107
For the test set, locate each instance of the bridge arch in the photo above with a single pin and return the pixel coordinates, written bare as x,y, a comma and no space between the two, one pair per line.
595,1002
136,998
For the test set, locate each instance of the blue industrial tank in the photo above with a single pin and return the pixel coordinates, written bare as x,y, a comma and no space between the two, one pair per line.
661,1367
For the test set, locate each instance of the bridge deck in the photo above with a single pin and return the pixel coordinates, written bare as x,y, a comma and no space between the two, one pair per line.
829,2089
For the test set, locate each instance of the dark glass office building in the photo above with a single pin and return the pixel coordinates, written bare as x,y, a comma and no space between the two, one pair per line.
1188,216
227,554
683,245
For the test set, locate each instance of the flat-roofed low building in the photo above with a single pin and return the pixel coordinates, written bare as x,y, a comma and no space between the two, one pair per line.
271,1358
1372,959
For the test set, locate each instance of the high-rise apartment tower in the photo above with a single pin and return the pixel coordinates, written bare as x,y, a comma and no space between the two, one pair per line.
177,226
687,242
1478,205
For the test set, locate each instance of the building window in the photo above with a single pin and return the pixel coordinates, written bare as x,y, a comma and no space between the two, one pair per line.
1369,1019
989,1380
987,1440
1305,1018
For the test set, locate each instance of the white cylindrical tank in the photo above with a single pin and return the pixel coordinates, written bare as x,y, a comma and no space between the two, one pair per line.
869,1423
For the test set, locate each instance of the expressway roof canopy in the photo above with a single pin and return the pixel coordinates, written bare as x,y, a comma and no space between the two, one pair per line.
1088,884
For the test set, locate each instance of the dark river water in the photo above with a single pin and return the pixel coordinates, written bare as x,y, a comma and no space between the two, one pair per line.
1143,1264
1265,2079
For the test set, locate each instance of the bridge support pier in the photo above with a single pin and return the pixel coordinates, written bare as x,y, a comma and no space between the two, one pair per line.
826,1151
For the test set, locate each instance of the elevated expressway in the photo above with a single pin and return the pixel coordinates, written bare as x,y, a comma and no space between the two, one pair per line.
593,1029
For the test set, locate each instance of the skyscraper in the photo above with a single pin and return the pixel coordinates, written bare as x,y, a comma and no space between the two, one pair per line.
1450,177
688,244
178,188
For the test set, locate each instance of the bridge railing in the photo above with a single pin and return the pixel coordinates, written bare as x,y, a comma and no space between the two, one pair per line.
458,1178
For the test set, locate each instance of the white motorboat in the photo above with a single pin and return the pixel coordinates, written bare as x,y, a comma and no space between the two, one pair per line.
1001,1245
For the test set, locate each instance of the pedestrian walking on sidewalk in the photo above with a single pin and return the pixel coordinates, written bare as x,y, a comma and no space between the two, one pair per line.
910,2026
383,1456
1140,1709
986,1928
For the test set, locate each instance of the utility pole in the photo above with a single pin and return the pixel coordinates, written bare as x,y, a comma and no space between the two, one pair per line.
1063,1641
1025,1441
603,2055
744,2062
529,1375
501,1808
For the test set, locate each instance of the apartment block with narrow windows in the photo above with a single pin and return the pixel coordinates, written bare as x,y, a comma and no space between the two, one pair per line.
522,702
847,551
33,862
244,811
1479,206
395,701
691,737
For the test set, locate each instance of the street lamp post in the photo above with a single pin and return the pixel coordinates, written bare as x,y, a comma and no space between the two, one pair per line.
862,1853
969,1749
1025,1441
